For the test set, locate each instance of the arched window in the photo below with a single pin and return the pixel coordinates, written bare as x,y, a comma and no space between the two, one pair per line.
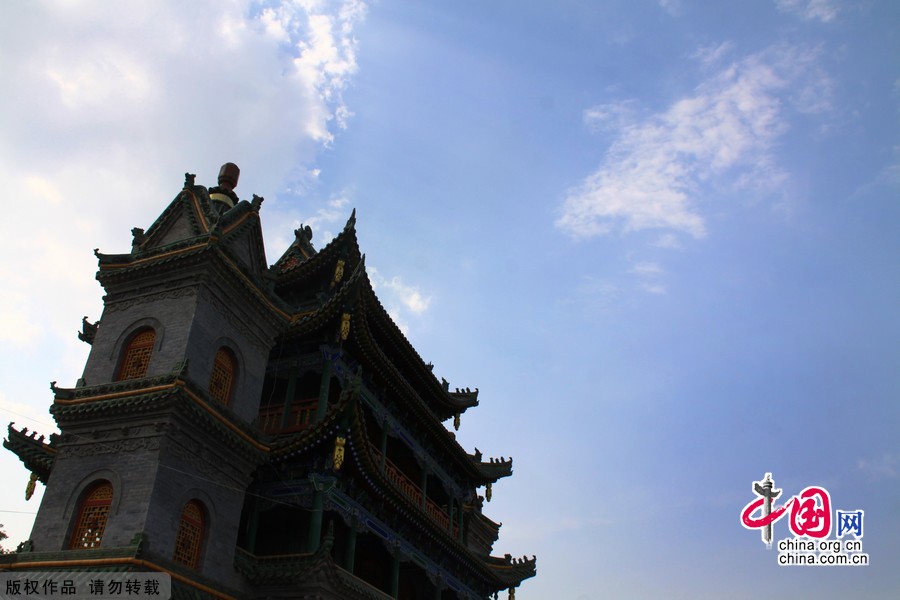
224,370
92,515
189,541
136,357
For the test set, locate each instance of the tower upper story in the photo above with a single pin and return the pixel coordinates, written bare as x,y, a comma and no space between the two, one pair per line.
191,296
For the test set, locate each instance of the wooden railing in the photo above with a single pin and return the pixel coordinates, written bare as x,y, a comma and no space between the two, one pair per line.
301,416
413,492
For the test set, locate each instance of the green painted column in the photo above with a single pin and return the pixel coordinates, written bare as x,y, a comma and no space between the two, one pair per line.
324,388
350,552
289,399
315,522
395,576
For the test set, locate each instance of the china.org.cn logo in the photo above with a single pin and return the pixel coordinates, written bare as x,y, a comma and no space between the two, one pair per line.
810,522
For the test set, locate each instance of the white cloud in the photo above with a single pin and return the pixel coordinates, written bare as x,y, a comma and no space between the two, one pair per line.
408,295
713,54
653,288
887,466
654,172
334,212
647,269
667,240
673,7
823,10
610,116
400,299
649,274
101,117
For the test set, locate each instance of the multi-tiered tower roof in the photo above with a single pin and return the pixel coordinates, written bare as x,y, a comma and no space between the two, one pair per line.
259,432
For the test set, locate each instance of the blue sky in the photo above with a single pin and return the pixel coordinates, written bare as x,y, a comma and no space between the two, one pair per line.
660,238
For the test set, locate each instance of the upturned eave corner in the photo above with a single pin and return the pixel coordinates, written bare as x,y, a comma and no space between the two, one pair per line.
36,454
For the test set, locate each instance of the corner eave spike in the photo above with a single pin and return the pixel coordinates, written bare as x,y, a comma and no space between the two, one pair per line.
351,222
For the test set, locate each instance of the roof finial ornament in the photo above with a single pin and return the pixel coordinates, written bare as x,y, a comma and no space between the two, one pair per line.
223,196
189,180
228,176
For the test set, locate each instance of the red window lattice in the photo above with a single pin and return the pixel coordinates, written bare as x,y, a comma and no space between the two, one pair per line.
136,358
92,517
222,378
189,541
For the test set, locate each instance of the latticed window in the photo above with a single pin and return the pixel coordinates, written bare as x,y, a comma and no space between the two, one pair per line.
136,357
92,515
189,541
222,379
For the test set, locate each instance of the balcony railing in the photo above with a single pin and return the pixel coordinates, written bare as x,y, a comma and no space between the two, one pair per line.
413,492
301,416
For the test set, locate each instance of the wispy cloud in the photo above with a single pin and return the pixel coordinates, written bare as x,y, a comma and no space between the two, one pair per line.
655,171
667,240
823,10
408,295
400,299
649,274
615,115
647,269
334,211
887,466
713,54
673,7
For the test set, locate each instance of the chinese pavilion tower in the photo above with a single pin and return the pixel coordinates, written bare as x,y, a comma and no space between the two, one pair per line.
258,432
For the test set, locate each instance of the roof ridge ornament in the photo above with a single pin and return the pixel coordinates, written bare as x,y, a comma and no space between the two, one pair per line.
303,234
137,239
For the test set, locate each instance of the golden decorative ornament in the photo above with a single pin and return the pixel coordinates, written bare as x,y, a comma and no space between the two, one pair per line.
338,272
456,421
29,489
345,326
338,456
487,492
